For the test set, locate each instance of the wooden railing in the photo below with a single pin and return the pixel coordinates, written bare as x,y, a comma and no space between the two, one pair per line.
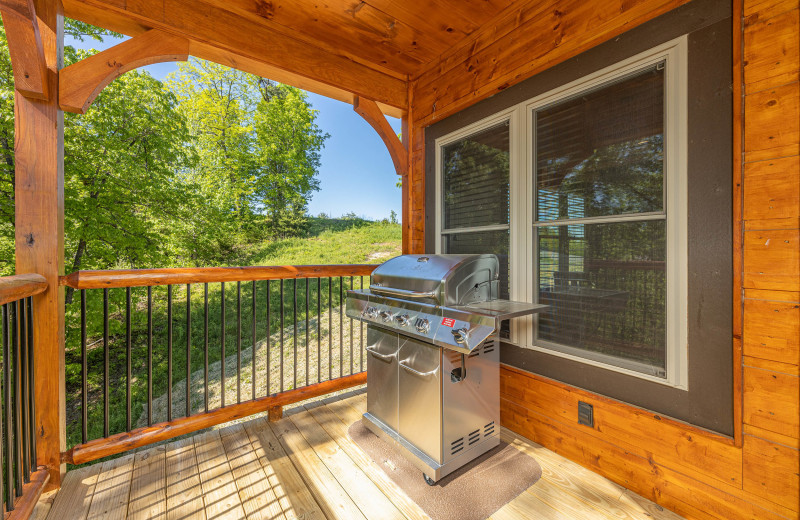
21,480
164,352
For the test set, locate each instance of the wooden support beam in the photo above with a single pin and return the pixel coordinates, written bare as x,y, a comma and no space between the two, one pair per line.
82,82
127,441
39,205
25,48
234,37
369,110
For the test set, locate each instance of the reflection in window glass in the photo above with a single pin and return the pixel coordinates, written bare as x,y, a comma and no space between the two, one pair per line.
475,179
602,152
606,287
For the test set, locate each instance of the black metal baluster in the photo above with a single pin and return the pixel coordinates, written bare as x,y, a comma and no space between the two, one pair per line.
22,397
222,361
253,344
205,346
32,378
307,364
128,355
351,332
8,338
319,330
361,339
238,342
169,352
149,355
269,340
281,335
84,375
4,458
17,404
294,341
330,328
188,349
106,365
341,327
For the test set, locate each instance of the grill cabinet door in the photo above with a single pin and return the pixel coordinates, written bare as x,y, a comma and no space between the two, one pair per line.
420,396
382,347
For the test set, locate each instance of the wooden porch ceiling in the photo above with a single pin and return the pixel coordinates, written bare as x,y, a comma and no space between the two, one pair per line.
337,48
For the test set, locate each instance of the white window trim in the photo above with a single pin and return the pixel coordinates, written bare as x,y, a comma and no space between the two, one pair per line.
522,281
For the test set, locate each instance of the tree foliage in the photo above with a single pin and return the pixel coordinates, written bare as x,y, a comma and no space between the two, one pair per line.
182,173
258,147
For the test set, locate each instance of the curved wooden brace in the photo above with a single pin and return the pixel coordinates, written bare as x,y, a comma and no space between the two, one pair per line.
25,48
80,83
369,110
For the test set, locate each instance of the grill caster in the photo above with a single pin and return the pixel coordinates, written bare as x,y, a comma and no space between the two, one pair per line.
428,480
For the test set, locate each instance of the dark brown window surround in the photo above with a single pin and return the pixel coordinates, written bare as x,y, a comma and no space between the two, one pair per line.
709,401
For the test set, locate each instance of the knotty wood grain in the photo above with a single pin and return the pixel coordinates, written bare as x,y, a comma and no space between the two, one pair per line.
17,287
39,239
81,82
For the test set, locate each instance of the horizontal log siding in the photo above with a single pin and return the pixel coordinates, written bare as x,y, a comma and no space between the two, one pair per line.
695,473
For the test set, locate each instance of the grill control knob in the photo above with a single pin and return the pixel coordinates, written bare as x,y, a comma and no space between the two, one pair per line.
386,316
423,325
460,335
371,312
402,319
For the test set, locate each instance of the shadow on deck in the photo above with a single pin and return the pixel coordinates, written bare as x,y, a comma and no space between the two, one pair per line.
305,467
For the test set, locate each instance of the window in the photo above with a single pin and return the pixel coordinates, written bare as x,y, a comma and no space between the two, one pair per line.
585,205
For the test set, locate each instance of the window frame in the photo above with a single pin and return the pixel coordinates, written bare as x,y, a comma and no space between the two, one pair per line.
523,276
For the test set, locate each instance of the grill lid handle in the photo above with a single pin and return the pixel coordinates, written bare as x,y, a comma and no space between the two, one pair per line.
401,293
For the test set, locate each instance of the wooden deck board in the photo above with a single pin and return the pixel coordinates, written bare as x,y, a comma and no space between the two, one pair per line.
148,486
255,492
220,495
337,426
293,495
184,491
112,493
305,467
364,493
75,497
327,491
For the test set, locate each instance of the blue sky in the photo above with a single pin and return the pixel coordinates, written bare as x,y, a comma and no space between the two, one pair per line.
356,175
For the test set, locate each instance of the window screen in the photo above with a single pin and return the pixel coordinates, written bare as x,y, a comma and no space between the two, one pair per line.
600,222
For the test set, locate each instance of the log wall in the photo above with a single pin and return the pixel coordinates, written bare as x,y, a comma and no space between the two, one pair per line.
698,474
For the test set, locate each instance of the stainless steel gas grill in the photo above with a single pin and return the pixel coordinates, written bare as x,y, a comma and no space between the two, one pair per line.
433,376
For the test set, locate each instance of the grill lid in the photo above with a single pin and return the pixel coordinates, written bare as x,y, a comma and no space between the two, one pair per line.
439,279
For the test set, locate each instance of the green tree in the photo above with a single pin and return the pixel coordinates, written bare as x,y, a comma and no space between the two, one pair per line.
124,198
258,148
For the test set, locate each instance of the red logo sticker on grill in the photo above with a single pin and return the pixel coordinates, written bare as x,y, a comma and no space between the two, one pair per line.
448,322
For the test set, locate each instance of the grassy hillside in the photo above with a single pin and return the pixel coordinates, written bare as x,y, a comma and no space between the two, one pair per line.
332,241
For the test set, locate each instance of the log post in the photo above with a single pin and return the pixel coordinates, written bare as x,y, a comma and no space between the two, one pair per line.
39,192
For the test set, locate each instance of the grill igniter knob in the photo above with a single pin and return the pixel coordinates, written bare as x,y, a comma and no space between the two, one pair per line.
402,319
460,335
423,325
386,316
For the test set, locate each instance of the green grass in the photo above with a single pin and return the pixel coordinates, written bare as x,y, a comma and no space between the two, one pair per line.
328,242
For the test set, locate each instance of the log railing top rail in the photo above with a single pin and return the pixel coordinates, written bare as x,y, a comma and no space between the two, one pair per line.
149,277
17,287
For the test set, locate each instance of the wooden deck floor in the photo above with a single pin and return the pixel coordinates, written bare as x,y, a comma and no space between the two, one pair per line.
305,467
